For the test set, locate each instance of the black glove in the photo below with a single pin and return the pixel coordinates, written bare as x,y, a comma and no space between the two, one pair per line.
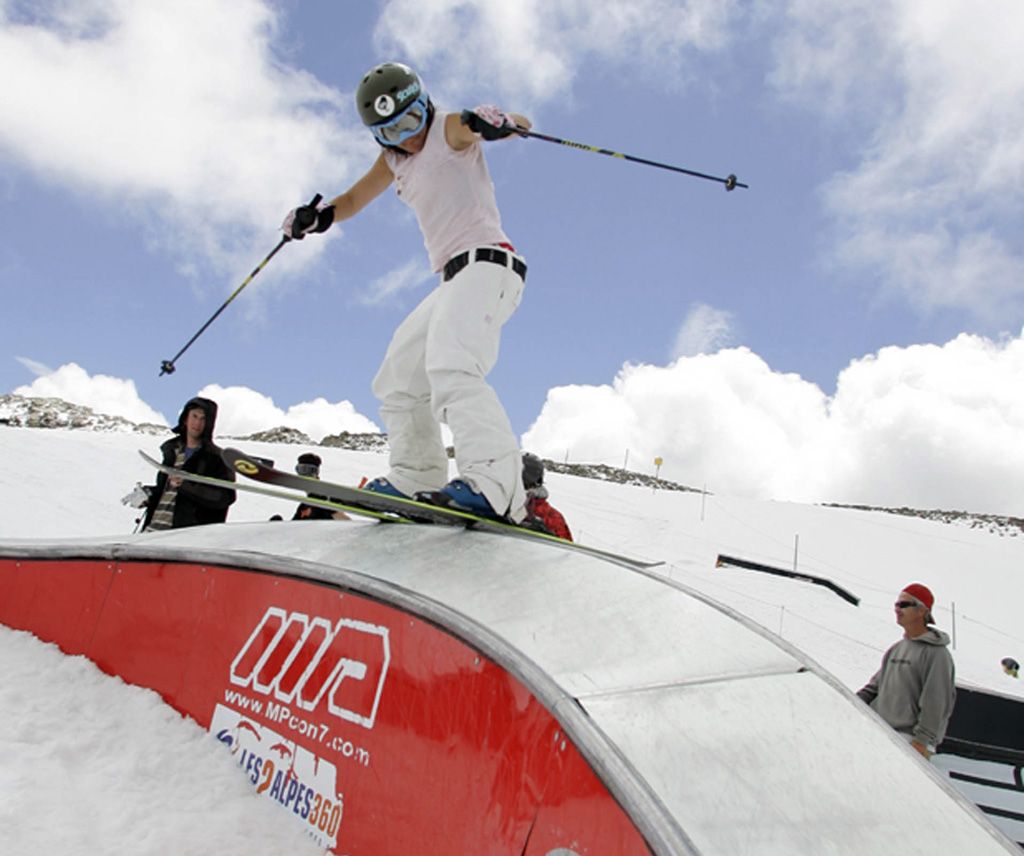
307,218
536,524
489,122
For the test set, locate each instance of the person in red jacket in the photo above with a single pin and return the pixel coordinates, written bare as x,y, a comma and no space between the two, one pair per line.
537,506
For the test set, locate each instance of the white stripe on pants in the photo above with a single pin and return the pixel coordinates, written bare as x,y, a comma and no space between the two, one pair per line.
434,371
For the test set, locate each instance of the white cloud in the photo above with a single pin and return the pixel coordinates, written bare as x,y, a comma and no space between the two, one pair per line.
531,49
924,426
112,396
704,330
938,426
37,368
932,93
179,113
243,411
727,419
408,277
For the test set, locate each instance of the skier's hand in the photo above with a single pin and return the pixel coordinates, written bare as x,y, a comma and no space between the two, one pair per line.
489,122
138,498
305,219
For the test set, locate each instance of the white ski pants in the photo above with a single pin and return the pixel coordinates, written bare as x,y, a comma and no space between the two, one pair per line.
434,371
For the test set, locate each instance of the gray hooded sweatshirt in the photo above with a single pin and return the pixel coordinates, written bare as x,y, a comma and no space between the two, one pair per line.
913,691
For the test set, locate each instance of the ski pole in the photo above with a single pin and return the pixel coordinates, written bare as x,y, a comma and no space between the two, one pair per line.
730,181
167,366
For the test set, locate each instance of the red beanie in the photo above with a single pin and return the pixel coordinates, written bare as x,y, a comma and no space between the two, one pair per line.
921,593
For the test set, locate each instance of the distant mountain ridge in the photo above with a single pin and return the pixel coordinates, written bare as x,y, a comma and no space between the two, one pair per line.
20,411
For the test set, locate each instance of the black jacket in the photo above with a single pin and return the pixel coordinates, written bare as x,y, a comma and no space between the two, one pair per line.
196,503
313,512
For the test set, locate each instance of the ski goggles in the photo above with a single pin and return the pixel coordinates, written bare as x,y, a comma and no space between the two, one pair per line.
406,124
307,469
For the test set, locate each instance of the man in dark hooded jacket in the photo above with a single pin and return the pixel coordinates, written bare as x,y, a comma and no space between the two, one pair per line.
175,502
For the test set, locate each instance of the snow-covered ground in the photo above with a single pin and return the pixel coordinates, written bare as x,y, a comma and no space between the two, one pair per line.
153,783
66,484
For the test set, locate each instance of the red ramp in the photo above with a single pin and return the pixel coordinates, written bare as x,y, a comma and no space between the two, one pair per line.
419,690
377,729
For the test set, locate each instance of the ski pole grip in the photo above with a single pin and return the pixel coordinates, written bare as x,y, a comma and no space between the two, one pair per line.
301,216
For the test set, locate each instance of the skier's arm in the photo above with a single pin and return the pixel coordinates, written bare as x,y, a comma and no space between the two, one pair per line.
377,179
310,218
461,131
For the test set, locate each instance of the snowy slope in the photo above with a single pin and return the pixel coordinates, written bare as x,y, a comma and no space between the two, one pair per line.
59,483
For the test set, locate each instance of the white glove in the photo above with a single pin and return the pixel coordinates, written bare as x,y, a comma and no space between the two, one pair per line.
138,498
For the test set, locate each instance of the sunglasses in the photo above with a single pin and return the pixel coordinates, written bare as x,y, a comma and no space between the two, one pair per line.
406,124
905,604
307,469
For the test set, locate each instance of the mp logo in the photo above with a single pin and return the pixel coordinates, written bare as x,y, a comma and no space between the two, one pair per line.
305,661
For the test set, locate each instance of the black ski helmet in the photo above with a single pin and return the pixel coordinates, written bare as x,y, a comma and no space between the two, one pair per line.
533,471
386,90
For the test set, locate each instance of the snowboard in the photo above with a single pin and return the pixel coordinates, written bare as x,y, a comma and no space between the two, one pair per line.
368,503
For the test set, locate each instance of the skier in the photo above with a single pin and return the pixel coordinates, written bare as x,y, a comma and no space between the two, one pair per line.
537,505
435,367
173,502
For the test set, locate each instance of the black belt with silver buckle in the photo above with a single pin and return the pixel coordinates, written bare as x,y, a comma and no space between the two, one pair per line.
484,254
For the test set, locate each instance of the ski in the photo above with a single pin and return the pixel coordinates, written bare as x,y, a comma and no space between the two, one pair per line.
356,501
288,495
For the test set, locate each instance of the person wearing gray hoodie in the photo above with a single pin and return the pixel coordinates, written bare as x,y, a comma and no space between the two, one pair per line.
913,690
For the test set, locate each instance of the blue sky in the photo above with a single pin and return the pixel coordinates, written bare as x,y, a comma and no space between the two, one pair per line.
848,328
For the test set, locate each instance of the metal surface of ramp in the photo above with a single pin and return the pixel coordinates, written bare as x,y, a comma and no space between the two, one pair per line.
549,679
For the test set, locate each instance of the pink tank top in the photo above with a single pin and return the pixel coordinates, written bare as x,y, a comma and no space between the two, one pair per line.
451,193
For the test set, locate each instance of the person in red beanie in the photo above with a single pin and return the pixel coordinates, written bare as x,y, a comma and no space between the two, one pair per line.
541,514
914,689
